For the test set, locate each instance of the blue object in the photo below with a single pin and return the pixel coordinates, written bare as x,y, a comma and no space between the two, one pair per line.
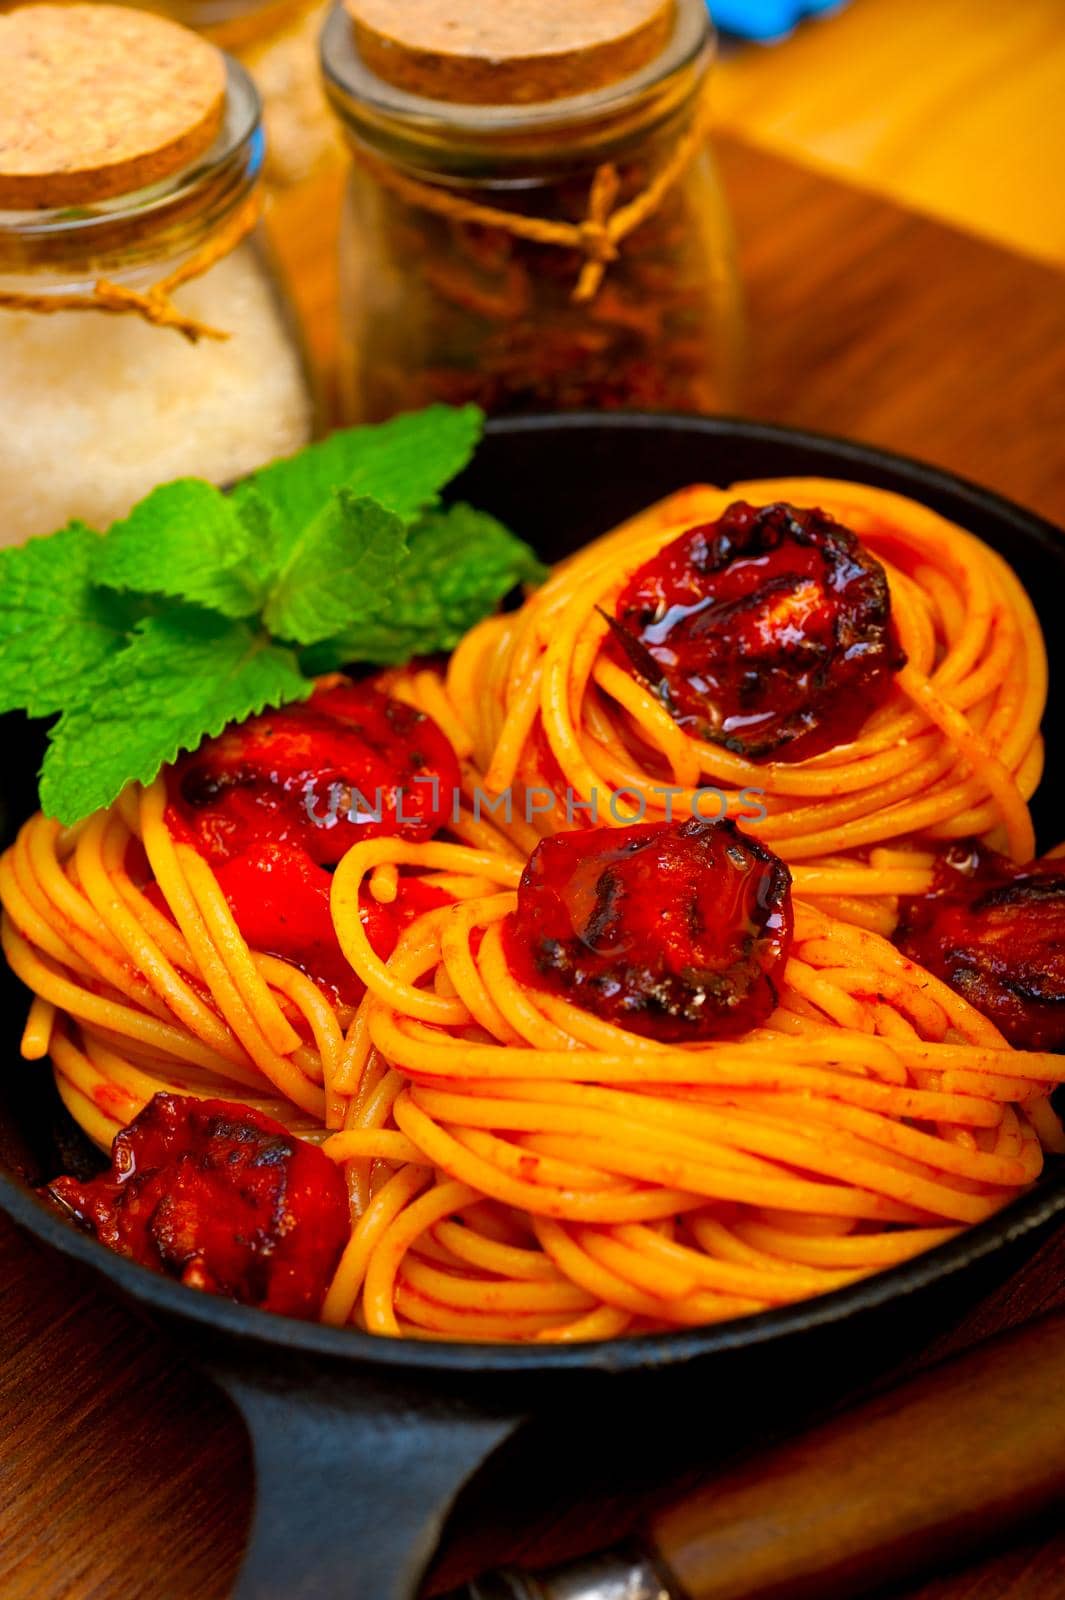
766,19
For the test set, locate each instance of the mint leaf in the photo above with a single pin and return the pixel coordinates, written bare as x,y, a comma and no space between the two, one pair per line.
461,564
338,572
261,526
56,627
402,464
190,541
184,676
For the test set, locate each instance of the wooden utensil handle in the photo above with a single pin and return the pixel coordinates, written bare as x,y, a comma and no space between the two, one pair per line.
965,1449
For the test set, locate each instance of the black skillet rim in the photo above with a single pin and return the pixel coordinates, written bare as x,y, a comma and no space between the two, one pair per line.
641,1351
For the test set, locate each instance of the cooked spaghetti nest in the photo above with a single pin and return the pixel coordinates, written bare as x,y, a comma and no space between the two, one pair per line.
130,1001
954,753
519,1169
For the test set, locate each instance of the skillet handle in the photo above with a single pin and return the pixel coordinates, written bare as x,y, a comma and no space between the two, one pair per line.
354,1478
939,1466
952,1457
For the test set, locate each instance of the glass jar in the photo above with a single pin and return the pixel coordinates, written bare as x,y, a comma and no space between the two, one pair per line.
277,40
456,307
97,408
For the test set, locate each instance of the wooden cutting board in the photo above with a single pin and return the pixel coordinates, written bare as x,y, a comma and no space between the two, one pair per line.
124,1473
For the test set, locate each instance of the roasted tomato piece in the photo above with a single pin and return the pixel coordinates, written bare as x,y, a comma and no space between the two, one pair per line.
674,930
275,800
385,924
770,627
996,933
348,764
279,898
223,1198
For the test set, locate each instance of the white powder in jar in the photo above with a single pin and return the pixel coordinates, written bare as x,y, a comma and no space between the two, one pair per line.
95,409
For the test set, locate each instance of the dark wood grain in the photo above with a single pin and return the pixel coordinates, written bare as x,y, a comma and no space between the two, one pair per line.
122,1472
869,321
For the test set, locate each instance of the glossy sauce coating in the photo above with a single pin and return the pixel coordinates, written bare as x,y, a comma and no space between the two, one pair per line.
222,1198
769,629
677,931
316,774
996,933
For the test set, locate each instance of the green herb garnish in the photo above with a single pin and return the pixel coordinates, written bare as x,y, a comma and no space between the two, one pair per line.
202,608
461,563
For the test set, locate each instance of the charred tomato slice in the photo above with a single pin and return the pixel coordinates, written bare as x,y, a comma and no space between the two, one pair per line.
275,801
349,764
221,1197
768,628
996,933
678,931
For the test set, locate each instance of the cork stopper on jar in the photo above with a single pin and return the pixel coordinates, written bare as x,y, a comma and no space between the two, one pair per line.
97,100
473,52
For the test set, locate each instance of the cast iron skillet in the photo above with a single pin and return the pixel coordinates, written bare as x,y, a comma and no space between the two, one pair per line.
362,1444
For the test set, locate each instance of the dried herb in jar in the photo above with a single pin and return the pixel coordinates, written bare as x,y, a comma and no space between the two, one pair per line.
552,253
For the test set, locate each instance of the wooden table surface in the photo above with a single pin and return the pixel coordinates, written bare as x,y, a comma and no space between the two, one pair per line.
952,108
123,1473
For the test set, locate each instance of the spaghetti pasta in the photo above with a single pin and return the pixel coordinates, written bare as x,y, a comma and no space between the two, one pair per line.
955,750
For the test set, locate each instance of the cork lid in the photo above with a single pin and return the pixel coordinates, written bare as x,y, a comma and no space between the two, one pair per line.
96,100
500,52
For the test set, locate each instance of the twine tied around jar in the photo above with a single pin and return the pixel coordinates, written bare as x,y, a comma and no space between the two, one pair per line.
153,304
598,237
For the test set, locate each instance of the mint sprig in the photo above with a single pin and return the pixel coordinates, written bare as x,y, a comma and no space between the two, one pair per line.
202,608
461,564
402,464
